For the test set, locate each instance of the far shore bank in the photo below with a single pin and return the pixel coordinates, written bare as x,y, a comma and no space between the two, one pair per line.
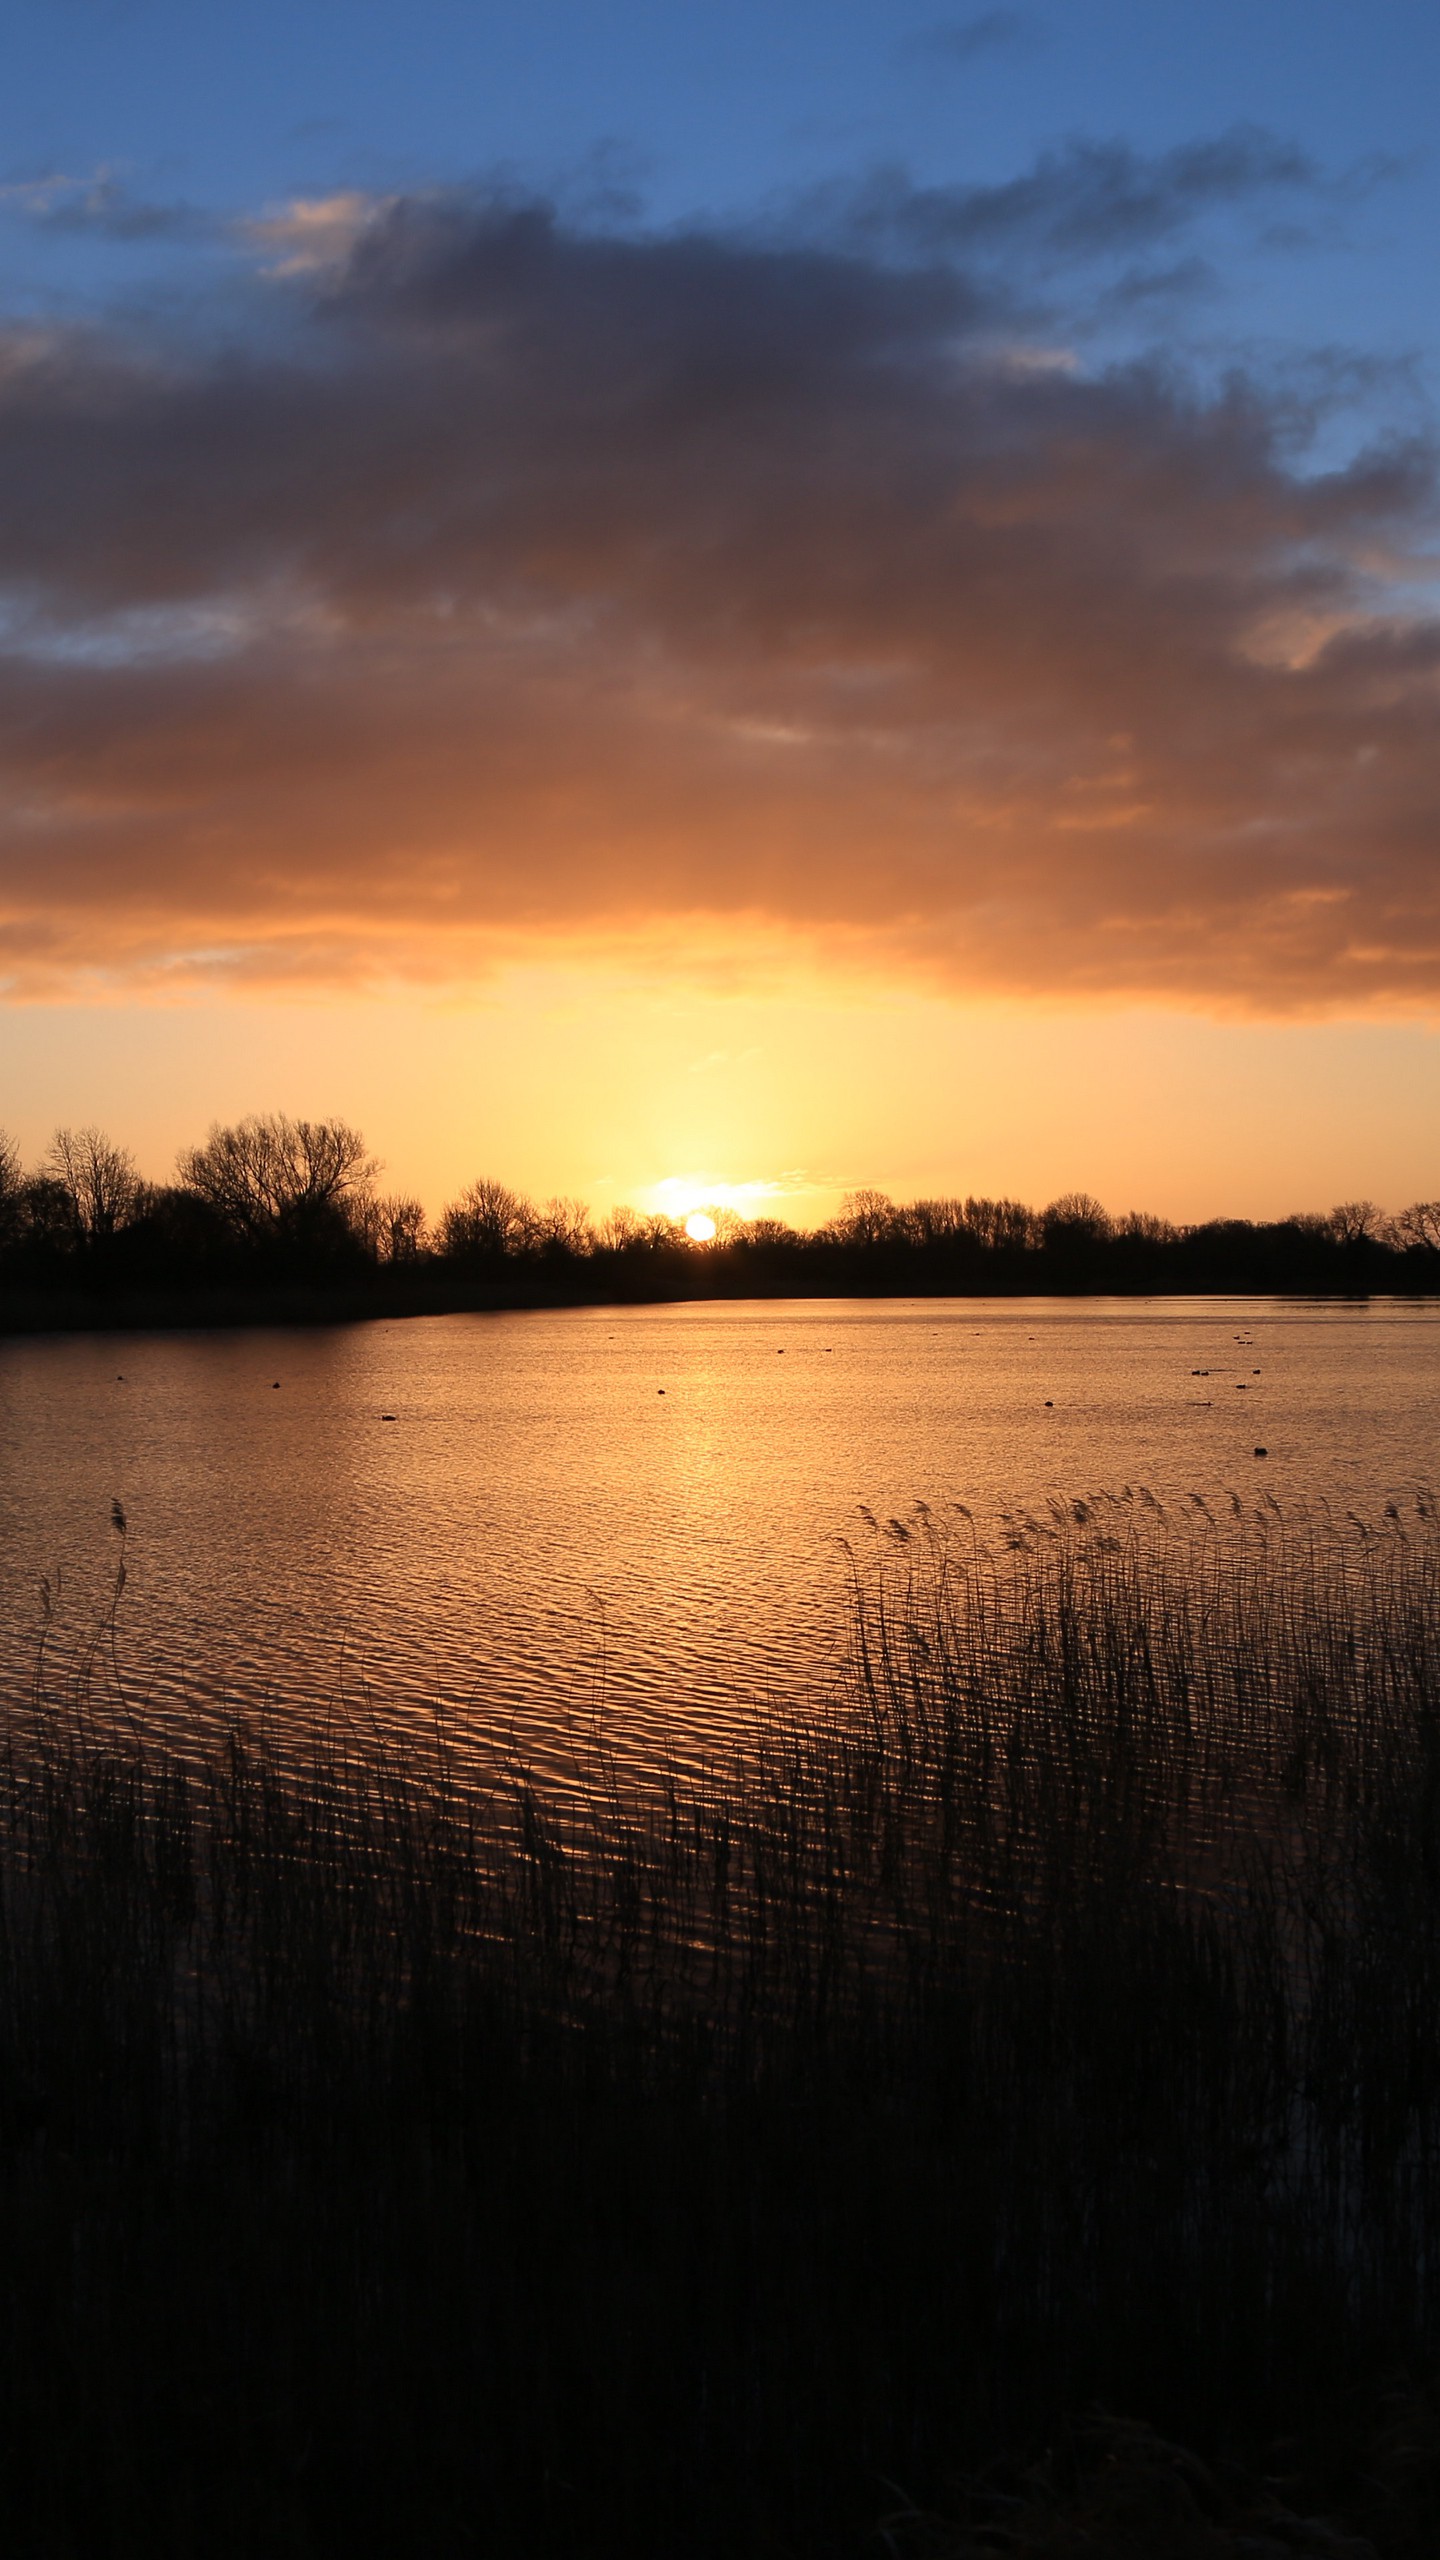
389,1297
158,1310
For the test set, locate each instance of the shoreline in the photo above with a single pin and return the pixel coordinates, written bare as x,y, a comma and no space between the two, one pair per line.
234,1308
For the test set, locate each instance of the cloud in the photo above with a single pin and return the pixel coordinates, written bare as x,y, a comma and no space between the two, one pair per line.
517,582
964,40
103,207
1082,200
315,233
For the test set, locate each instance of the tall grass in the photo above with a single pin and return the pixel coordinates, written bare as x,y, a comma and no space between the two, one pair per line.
398,2158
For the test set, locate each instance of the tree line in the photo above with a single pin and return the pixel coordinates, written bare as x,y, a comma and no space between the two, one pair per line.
270,1198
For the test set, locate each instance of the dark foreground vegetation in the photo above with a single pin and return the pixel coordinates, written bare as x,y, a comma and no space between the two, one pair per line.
786,2161
284,1219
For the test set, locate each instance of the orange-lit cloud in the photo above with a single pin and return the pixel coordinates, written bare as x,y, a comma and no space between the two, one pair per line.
486,583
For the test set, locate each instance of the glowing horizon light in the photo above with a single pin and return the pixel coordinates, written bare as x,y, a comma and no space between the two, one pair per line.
686,1195
699,1228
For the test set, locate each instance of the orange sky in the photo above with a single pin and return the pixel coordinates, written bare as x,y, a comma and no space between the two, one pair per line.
562,1082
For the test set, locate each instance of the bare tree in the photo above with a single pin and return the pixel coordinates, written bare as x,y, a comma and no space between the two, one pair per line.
487,1219
1002,1226
621,1227
865,1217
395,1228
97,1181
563,1226
1141,1226
1420,1224
1358,1222
1077,1217
270,1176
935,1221
12,1188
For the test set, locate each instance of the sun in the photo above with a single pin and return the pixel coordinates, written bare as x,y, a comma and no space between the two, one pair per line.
699,1228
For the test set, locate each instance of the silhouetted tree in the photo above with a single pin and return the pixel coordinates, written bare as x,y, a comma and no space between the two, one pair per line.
47,1225
98,1184
395,1228
278,1181
620,1228
562,1227
174,1235
864,1218
1002,1226
12,1191
1358,1222
1231,1231
932,1222
1420,1225
1076,1218
487,1222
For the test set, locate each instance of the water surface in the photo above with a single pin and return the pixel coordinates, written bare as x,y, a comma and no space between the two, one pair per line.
524,1516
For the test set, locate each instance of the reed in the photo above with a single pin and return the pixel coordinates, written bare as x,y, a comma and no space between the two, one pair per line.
399,2158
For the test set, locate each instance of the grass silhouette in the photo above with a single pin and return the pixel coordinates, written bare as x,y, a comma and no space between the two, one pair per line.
399,2158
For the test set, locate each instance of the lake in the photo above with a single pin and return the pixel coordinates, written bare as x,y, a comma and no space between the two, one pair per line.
532,1518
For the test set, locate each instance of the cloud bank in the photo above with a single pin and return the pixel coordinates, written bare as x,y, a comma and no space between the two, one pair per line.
478,580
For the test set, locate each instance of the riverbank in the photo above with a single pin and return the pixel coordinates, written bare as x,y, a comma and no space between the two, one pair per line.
368,1297
388,1296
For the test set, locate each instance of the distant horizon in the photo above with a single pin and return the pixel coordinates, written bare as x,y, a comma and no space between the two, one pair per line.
679,1198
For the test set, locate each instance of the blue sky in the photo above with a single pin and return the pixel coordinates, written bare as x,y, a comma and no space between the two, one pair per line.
713,109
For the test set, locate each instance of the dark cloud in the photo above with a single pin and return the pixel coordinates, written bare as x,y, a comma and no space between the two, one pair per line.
964,40
543,581
1081,201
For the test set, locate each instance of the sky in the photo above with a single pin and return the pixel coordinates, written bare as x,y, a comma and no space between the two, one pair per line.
728,602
